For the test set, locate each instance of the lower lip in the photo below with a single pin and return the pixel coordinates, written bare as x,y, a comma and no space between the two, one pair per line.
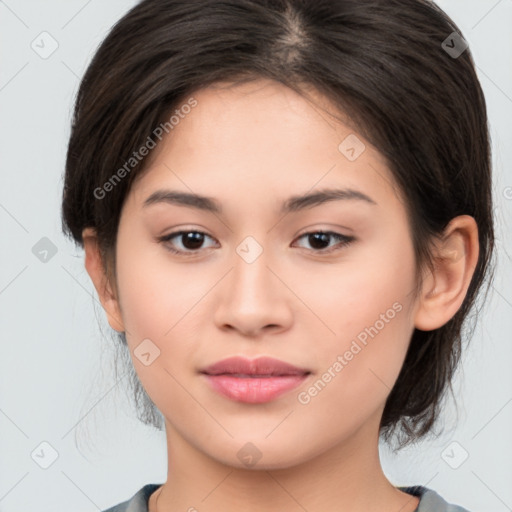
254,390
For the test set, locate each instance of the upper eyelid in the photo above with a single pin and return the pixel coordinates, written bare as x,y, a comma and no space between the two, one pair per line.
193,230
173,234
333,233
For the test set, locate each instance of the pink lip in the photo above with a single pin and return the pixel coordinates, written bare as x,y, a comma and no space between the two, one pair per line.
253,381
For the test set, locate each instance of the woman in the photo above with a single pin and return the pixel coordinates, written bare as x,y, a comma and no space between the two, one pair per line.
286,211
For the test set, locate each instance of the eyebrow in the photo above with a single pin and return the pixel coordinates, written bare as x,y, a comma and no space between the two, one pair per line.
292,204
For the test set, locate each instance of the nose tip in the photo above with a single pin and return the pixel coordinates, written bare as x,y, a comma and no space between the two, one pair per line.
249,328
253,300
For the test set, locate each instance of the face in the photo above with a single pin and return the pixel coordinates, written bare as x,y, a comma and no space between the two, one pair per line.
323,285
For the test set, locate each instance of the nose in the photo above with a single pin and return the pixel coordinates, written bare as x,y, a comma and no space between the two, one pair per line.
253,298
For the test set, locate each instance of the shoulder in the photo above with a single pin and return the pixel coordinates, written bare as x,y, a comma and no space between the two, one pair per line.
138,502
430,501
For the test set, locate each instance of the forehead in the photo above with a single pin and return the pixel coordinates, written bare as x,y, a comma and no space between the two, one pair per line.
259,138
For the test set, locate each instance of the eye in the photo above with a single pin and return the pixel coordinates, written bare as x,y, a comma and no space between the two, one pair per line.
192,241
319,240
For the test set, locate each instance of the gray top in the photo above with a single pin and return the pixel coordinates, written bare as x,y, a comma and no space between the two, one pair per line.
430,501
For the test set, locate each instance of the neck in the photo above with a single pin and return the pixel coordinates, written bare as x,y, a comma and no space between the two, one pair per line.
347,477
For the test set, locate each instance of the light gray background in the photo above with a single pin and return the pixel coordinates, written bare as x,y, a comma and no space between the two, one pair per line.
57,383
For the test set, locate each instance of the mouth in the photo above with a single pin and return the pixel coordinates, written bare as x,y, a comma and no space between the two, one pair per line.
262,376
258,368
253,381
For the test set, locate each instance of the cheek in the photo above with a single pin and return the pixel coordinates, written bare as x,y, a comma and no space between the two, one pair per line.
352,296
358,368
366,308
155,293
156,302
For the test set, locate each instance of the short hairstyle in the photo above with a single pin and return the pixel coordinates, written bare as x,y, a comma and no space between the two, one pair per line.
386,67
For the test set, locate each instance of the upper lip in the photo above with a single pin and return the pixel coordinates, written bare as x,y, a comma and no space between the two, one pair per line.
260,366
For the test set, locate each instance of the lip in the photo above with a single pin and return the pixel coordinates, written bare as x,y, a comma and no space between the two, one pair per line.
253,380
264,366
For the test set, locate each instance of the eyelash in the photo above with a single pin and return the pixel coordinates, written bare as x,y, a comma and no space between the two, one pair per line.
344,241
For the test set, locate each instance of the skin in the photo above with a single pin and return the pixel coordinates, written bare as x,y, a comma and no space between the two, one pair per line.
250,147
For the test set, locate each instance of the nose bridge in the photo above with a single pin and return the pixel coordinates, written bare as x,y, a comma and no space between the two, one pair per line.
251,275
252,296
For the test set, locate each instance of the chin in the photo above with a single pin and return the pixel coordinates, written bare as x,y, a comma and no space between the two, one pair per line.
264,455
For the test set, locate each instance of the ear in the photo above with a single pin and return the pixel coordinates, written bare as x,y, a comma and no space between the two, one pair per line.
444,289
97,272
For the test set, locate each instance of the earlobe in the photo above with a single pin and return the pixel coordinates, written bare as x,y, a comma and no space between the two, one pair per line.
444,288
96,271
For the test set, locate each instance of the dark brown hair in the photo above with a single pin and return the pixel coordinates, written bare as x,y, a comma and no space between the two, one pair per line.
391,66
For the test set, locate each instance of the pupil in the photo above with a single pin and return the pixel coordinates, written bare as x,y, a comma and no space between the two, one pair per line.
323,237
192,238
